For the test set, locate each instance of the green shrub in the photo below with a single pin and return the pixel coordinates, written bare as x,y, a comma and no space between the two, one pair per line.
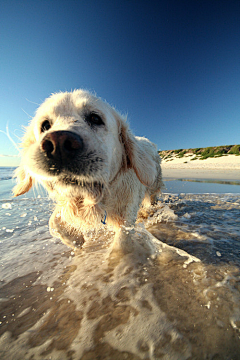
207,152
220,151
197,150
181,154
235,150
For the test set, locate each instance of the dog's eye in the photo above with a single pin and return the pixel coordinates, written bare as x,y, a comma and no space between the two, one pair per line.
45,126
94,119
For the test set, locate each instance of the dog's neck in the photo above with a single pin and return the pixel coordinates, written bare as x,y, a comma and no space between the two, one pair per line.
80,211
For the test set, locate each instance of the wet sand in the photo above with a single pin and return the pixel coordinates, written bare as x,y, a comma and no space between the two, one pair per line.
177,298
180,301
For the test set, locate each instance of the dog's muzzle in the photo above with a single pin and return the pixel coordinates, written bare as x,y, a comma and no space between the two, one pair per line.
61,147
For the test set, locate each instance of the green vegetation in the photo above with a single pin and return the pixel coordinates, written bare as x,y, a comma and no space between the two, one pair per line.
180,152
201,153
235,150
207,152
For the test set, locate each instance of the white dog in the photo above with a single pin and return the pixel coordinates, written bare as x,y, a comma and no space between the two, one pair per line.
82,151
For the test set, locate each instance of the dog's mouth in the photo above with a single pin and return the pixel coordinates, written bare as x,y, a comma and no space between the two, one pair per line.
83,178
73,186
68,180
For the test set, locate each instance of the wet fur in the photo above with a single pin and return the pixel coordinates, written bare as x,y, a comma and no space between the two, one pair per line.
118,172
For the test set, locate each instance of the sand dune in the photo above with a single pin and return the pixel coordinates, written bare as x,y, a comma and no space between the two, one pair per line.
224,167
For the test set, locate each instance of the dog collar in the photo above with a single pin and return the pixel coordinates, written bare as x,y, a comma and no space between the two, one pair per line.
103,221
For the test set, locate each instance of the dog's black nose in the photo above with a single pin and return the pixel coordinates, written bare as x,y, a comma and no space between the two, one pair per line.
61,145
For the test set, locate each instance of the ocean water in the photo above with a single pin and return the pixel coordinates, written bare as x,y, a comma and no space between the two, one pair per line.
176,297
201,186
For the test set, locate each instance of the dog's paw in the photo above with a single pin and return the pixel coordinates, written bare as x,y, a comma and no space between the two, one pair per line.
68,235
139,242
123,241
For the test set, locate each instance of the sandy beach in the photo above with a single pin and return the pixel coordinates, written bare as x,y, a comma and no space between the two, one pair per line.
224,168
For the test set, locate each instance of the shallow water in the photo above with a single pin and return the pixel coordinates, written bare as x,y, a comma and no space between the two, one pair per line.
200,186
181,301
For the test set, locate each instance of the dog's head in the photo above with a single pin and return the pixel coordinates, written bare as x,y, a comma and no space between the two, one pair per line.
76,145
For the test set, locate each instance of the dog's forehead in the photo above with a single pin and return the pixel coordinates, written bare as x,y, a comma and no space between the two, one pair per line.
73,104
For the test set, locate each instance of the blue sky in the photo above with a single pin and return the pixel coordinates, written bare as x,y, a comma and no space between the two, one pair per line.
172,66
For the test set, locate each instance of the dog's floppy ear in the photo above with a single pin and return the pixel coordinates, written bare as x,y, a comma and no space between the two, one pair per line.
137,155
24,182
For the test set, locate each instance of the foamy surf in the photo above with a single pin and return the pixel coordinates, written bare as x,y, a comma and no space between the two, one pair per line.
178,300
